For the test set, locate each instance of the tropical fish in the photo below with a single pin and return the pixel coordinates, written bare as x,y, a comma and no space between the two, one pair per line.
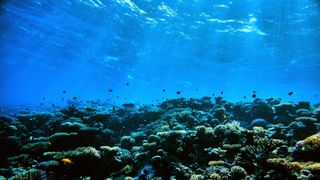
224,116
66,161
254,95
290,93
178,92
110,90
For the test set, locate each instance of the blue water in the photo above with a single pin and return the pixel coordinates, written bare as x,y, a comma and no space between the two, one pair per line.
198,47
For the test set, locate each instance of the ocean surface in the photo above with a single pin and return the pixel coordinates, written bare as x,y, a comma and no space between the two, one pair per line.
145,51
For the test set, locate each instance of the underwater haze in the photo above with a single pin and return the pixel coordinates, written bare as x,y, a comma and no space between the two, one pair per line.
52,49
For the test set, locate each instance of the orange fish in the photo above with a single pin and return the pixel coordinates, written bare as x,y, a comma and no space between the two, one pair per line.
66,161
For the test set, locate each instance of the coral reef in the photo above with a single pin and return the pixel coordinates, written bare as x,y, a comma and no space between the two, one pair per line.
177,139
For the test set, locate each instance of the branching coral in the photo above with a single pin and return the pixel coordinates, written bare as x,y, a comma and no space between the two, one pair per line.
289,168
254,156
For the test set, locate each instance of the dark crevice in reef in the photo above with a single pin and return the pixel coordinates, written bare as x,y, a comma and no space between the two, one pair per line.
177,139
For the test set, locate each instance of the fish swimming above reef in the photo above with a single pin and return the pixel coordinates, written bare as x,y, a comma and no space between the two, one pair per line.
224,116
254,94
290,93
178,92
66,161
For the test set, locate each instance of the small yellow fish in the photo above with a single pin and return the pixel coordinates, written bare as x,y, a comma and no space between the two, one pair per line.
66,161
224,116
